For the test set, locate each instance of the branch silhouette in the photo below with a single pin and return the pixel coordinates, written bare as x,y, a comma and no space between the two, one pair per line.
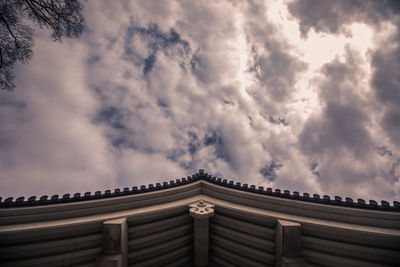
62,17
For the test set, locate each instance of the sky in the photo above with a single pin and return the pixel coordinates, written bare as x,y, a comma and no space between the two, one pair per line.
299,95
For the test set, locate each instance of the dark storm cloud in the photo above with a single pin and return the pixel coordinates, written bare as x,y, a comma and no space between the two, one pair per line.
268,67
336,139
342,124
391,124
341,127
386,82
386,79
330,16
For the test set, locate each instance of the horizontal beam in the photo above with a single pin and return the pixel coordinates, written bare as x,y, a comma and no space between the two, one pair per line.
244,227
97,206
302,208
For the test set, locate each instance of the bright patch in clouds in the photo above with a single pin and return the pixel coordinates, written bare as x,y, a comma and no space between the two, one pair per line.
294,95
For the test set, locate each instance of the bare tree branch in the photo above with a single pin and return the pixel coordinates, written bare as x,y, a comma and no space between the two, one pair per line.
9,30
1,58
62,17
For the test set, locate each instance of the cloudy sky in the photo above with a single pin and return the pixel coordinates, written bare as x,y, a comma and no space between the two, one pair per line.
299,95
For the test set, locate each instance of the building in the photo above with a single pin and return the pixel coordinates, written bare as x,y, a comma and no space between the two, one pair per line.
198,221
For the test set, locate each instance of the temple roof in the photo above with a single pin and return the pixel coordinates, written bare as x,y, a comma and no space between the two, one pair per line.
201,175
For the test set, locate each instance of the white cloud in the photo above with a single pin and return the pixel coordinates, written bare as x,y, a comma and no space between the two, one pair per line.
156,91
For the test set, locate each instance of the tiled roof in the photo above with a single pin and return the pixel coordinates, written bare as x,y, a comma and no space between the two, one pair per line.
201,175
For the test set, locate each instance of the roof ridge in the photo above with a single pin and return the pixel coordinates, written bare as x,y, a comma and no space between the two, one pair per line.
201,175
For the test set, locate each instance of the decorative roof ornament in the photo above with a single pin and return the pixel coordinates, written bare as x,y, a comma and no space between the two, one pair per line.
201,210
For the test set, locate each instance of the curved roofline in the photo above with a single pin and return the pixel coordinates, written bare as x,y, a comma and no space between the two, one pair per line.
201,175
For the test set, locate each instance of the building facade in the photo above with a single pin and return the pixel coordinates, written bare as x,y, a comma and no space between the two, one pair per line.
198,221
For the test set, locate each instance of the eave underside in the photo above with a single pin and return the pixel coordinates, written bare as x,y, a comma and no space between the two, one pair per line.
368,236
